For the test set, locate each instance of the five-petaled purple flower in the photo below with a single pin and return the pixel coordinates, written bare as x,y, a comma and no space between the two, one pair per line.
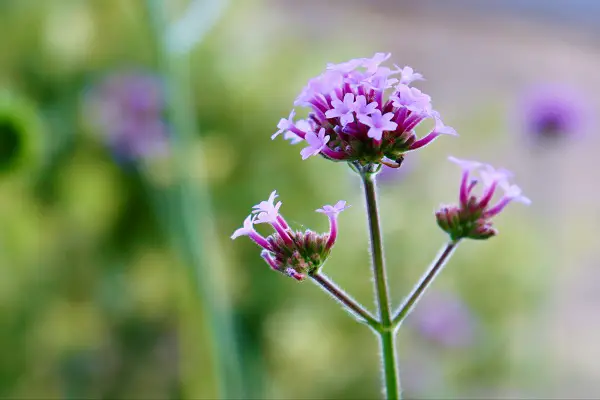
348,105
293,253
127,108
471,218
316,143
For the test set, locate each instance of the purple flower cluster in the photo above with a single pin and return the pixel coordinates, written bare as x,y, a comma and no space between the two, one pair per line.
471,218
127,109
293,253
550,112
352,119
361,113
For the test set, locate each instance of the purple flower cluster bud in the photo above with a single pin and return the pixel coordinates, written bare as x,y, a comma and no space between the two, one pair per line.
352,119
294,253
472,217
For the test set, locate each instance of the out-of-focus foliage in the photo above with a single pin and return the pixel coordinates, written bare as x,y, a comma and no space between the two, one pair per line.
93,302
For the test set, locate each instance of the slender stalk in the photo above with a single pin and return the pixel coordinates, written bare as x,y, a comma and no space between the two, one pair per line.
386,333
424,283
188,207
350,304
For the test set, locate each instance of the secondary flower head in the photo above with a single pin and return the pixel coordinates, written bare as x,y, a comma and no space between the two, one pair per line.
551,112
294,253
472,217
363,111
127,110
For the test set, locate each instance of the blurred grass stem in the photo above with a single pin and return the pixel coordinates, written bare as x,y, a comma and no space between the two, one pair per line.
386,331
348,302
425,281
190,207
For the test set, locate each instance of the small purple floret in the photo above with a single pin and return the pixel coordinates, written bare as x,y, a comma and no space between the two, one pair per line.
378,123
342,109
316,143
332,212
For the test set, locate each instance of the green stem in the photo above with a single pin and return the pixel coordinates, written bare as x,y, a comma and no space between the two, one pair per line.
189,206
386,333
350,304
424,283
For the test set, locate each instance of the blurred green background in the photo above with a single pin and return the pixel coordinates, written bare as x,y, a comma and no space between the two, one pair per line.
95,296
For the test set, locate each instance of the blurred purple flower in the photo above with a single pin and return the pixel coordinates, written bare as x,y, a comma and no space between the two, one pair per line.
551,112
127,109
444,319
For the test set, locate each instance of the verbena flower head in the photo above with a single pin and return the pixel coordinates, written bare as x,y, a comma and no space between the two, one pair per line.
127,109
362,111
472,217
294,253
550,112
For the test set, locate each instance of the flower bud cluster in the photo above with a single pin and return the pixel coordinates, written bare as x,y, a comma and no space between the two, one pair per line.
472,216
294,253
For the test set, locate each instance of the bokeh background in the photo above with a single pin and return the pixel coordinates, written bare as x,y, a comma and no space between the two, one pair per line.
117,275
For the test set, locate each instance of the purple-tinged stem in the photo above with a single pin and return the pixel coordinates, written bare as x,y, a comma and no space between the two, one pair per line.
464,189
297,131
267,257
471,186
401,116
259,240
412,121
424,141
498,207
319,104
336,155
332,231
282,233
282,222
487,196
